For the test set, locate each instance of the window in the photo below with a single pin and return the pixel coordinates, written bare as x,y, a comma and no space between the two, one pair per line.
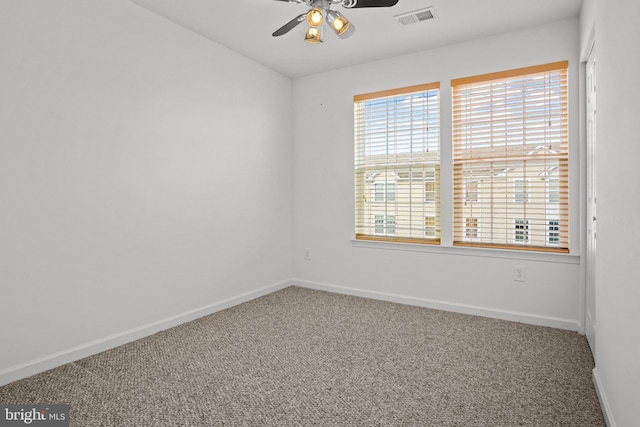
554,192
391,225
430,187
379,224
430,226
471,193
520,190
553,236
385,225
471,228
521,234
397,164
510,137
384,192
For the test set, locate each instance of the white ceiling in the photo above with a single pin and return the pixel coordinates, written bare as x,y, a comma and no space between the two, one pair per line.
245,26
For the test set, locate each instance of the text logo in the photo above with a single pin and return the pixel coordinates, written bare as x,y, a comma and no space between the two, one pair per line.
34,415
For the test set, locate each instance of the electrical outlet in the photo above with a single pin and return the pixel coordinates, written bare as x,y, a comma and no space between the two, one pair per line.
519,273
307,254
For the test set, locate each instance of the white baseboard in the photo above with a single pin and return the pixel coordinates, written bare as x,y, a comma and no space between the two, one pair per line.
51,361
554,322
45,363
602,397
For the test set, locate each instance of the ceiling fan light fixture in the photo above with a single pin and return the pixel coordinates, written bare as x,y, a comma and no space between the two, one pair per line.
314,17
319,10
313,35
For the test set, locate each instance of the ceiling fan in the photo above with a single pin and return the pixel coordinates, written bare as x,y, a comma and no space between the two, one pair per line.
320,10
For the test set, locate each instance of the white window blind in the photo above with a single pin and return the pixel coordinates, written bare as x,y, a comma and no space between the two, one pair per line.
397,164
511,160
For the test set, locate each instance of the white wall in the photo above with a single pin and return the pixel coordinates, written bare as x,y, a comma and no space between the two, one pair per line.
145,172
587,27
469,280
617,372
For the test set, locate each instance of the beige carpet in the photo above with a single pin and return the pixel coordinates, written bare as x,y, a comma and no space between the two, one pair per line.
300,357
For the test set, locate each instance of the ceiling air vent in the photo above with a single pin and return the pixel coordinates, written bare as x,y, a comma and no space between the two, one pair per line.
415,16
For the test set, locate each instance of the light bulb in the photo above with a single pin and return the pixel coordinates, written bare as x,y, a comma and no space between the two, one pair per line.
340,24
313,35
314,17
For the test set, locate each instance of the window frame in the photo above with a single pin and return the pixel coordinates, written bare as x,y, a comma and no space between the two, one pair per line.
425,165
553,72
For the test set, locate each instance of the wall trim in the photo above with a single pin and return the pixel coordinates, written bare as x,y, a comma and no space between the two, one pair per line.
602,397
442,249
532,319
36,366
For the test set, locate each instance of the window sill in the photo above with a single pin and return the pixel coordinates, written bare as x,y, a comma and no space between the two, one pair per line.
562,258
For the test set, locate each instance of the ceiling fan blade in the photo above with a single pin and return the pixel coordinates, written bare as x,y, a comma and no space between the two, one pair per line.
352,4
289,25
